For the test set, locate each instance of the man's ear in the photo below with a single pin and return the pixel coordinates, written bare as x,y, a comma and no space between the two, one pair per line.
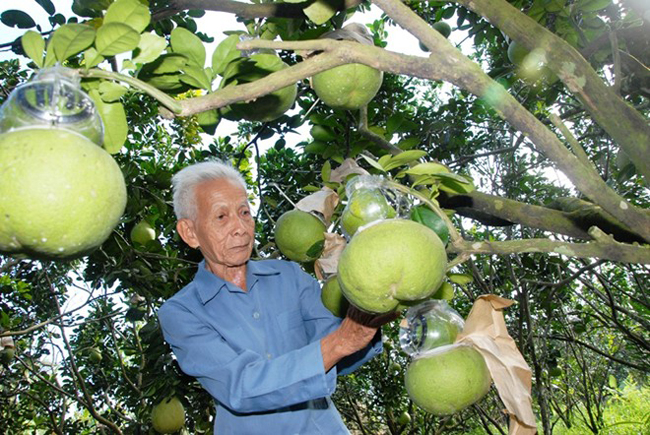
185,228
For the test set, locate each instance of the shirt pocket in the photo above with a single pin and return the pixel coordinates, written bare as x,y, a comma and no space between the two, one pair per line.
293,329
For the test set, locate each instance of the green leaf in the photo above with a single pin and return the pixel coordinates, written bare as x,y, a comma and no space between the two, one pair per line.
196,77
185,42
149,48
373,163
111,92
92,58
16,18
167,63
455,183
115,125
315,250
408,143
320,11
208,121
50,58
116,38
129,12
326,172
33,45
225,52
462,279
70,39
394,123
404,158
429,218
47,5
428,168
384,160
593,5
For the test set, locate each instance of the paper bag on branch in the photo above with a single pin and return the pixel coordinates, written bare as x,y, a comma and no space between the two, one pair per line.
328,262
486,330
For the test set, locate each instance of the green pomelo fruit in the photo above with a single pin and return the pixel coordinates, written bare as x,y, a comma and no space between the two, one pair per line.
322,134
530,65
296,233
333,298
389,262
347,87
60,194
437,332
365,206
7,355
443,28
404,418
142,233
448,380
168,416
517,53
94,355
265,108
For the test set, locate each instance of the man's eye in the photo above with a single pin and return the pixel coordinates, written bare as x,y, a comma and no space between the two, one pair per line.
221,216
246,212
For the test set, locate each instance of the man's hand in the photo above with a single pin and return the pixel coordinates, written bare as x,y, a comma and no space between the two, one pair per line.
356,331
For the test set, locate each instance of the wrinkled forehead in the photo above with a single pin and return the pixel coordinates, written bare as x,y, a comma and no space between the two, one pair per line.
220,191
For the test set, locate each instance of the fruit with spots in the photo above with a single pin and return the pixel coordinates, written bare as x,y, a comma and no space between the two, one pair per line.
347,87
448,379
389,262
60,194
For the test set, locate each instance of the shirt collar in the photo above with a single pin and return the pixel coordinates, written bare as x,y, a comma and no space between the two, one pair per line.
209,284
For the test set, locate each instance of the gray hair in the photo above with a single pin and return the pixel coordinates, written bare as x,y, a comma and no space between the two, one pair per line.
185,181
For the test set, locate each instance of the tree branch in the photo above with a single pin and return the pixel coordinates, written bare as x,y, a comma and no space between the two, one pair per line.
619,119
447,63
609,251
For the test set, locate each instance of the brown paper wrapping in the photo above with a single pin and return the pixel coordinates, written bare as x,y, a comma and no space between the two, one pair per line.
349,166
327,263
324,202
486,330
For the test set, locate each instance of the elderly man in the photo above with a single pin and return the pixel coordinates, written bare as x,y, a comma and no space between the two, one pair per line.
255,333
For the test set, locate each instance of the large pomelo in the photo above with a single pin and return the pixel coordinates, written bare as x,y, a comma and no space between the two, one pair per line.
347,87
389,262
168,416
448,380
296,233
60,194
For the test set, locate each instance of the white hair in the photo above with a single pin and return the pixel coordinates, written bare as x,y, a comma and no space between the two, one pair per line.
185,181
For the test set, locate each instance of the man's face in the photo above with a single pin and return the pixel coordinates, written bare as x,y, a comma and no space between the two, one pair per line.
223,229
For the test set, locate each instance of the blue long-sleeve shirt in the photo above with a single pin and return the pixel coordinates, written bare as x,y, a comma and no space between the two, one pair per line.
258,352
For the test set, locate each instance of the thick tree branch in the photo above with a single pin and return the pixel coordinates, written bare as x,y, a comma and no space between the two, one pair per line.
609,251
626,126
511,212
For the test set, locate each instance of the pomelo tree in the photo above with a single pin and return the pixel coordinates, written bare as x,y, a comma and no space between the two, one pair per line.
573,255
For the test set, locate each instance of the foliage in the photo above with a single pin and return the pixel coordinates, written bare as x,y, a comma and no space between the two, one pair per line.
483,167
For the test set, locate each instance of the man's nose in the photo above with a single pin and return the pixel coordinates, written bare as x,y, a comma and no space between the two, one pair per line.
240,225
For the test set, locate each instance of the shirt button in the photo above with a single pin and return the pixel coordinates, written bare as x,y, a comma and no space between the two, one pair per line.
256,315
268,356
